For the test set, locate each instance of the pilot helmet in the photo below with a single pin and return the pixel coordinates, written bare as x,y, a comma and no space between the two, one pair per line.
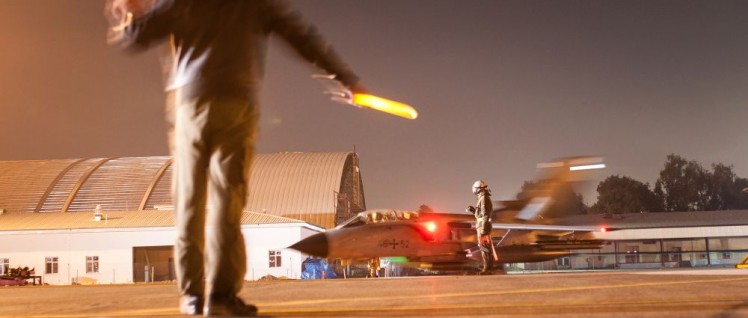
479,186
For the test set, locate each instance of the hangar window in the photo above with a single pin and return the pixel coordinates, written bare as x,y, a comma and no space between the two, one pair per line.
563,262
632,254
675,255
51,265
92,264
4,266
275,259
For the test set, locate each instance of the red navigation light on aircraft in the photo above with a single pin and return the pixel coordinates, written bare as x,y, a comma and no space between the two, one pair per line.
428,230
430,226
603,229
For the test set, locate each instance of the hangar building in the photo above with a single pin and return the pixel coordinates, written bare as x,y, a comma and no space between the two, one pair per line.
48,220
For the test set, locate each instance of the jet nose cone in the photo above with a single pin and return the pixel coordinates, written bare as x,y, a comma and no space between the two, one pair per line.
315,245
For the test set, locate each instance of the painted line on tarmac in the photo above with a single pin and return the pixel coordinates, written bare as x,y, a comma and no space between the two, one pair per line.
663,305
497,292
687,302
171,311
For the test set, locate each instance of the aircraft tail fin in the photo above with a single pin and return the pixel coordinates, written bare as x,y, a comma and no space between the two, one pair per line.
539,197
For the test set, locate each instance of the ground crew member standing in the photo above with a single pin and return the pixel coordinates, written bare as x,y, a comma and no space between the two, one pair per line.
374,267
483,209
215,68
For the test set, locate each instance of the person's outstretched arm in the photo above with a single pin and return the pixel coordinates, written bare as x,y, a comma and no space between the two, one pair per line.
139,25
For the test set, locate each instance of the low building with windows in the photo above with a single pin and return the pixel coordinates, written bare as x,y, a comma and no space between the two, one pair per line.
126,247
658,240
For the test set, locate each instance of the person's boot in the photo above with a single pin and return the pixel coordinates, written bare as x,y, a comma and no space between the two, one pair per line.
191,305
233,306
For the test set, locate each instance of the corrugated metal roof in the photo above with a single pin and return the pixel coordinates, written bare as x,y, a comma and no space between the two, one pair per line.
23,183
280,183
127,179
129,219
294,182
60,191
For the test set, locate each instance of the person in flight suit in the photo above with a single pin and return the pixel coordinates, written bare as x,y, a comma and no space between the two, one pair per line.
215,69
482,210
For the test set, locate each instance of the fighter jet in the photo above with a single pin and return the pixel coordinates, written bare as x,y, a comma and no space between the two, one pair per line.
447,241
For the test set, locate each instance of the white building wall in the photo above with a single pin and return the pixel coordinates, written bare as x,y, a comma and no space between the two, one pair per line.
114,247
262,240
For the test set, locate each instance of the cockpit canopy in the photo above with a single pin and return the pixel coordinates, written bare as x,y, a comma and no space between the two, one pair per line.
379,216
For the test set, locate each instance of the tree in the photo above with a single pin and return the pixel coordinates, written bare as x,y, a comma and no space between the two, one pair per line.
683,185
425,209
722,191
725,189
621,194
742,200
565,200
686,186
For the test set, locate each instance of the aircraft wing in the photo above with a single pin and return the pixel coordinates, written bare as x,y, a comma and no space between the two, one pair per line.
545,227
468,219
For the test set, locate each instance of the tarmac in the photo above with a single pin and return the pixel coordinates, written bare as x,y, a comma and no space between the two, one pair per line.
663,293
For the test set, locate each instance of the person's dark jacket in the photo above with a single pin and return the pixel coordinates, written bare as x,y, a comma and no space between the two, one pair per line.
219,46
483,210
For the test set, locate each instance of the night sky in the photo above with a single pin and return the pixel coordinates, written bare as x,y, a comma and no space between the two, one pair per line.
499,85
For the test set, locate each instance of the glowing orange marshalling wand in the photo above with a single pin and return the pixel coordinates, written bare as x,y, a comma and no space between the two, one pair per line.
384,105
344,95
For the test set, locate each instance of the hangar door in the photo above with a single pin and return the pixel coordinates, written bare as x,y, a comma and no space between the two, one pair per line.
153,264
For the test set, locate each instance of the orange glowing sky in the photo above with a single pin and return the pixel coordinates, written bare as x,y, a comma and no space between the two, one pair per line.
499,86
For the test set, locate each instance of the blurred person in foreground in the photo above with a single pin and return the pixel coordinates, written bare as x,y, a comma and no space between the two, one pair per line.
215,68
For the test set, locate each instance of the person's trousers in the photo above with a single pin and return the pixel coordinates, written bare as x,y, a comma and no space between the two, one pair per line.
484,244
212,147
